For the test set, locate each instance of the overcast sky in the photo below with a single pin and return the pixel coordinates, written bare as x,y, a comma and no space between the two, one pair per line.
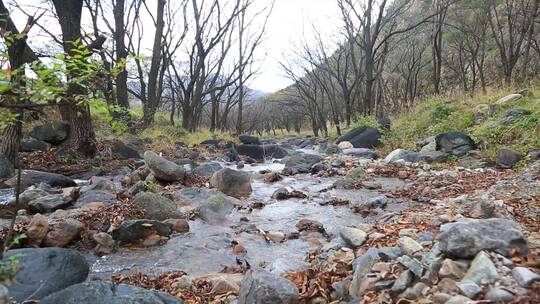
290,20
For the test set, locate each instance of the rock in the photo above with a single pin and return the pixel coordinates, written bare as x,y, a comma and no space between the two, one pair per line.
32,145
211,205
309,225
389,253
209,142
472,162
100,184
361,153
499,295
509,99
178,225
53,133
513,115
432,157
254,151
108,293
95,196
318,167
427,145
507,158
426,237
534,155
338,163
414,292
465,239
44,271
353,237
224,282
412,264
134,231
104,243
449,269
31,177
329,148
156,207
345,145
361,267
249,140
120,150
37,230
398,154
63,233
207,170
408,245
482,270
469,289
262,287
274,151
163,169
231,182
301,162
380,201
456,143
49,203
404,280
6,167
4,295
524,276
459,299
363,137
441,297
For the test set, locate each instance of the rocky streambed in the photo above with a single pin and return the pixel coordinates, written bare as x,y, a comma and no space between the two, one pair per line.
289,221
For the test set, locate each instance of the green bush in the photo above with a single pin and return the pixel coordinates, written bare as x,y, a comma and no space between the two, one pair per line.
366,121
441,111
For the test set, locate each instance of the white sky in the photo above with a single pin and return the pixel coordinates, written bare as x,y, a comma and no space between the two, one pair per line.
289,22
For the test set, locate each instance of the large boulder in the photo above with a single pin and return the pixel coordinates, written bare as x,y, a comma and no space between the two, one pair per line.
363,137
155,206
231,182
49,203
53,133
44,271
32,145
466,238
6,167
32,177
507,158
134,231
93,196
274,151
249,140
207,170
456,143
211,205
95,292
262,287
122,151
253,151
162,168
361,153
301,162
509,99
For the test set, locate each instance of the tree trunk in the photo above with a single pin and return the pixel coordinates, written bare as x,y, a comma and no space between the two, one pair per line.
122,98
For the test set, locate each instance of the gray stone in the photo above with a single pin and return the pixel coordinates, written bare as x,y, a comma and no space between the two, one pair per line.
380,201
389,253
362,137
6,167
499,295
99,292
262,287
49,203
156,207
469,289
212,205
32,177
353,236
134,231
249,140
63,233
361,266
301,162
95,196
120,150
361,153
509,99
412,264
415,292
432,156
408,245
44,271
4,295
396,155
231,182
207,170
162,168
482,270
403,281
53,133
32,145
459,299
456,143
507,158
524,276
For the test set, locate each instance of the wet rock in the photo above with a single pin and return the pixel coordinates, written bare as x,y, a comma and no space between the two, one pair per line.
134,231
301,162
482,270
283,194
309,225
254,151
207,170
156,207
408,245
46,270
345,145
262,287
404,280
465,239
231,182
162,168
412,264
456,143
212,205
507,158
37,230
32,177
361,153
120,150
178,225
353,237
274,151
63,233
499,295
95,196
108,293
249,140
469,289
361,267
32,145
524,276
509,99
104,243
49,203
53,133
363,137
